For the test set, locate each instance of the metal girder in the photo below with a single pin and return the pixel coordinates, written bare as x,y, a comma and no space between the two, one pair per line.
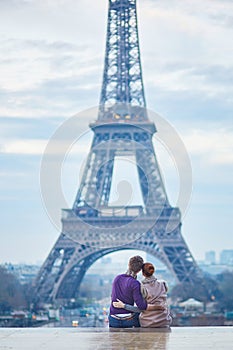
69,260
92,229
122,78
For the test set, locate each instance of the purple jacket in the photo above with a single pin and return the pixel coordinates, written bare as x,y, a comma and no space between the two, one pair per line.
127,289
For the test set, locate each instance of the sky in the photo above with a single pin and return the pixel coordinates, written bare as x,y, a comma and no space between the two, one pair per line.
51,64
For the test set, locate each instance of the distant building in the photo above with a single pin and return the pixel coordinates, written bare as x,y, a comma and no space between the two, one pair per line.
226,257
25,273
214,269
210,257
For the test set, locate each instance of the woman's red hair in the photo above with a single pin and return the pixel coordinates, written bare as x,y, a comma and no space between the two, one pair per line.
148,269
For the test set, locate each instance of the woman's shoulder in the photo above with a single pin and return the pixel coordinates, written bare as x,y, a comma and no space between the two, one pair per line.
155,281
149,279
164,283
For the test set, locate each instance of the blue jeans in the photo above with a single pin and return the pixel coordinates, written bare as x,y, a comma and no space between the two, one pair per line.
128,323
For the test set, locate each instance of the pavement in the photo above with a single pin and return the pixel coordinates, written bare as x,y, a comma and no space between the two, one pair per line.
198,338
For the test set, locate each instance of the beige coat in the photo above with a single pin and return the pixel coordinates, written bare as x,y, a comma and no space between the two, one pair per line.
156,294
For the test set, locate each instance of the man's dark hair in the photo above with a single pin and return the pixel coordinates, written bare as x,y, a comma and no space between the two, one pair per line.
135,263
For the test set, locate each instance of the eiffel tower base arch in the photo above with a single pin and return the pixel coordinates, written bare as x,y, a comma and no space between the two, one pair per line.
62,273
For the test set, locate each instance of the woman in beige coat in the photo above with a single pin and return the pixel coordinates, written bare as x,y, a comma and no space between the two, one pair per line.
155,293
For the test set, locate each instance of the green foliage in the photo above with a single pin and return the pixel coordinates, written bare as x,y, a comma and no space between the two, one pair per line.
11,292
202,290
225,283
218,289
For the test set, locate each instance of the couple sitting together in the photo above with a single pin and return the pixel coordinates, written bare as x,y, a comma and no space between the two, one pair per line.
150,297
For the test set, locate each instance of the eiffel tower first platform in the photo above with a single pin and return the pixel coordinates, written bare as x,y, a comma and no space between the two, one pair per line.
94,228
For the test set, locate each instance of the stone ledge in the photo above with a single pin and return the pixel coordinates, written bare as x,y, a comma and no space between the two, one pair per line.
176,338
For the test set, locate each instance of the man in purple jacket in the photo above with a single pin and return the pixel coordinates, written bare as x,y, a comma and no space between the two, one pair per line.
126,288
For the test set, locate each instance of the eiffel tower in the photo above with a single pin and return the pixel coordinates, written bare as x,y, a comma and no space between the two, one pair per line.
94,227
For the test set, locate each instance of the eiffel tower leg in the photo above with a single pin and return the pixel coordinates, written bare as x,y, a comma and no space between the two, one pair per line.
66,265
95,190
171,249
62,273
177,256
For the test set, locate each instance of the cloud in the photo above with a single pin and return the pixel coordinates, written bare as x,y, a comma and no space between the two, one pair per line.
38,147
184,32
30,147
47,79
188,53
218,12
26,64
54,19
212,146
210,81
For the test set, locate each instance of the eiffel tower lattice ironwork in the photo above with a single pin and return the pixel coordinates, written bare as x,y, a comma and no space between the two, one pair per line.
93,228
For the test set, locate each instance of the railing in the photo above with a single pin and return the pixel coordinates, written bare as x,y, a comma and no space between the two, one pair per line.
118,211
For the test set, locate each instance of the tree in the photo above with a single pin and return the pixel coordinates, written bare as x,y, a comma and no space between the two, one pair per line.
225,283
204,290
215,288
11,292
